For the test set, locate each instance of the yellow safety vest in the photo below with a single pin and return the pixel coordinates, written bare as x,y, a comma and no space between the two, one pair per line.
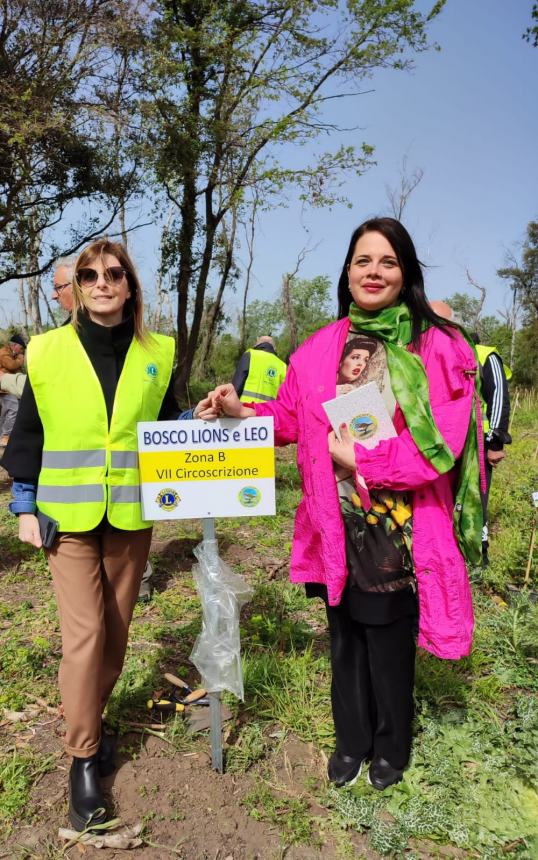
482,353
266,374
88,467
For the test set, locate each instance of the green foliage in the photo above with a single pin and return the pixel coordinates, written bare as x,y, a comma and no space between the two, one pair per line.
466,307
510,508
249,747
275,623
471,787
293,687
463,787
54,149
525,367
523,275
291,814
17,775
531,33
223,86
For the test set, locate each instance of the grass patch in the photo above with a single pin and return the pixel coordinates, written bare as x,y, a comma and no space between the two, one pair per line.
249,747
293,689
470,790
18,772
291,815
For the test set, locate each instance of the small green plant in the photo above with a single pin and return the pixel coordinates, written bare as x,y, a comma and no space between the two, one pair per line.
248,749
17,775
291,814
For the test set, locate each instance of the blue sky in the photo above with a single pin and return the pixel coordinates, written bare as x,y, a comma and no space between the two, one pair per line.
467,116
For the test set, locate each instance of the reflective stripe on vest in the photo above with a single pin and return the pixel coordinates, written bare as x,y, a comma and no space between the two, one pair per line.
89,468
72,459
266,374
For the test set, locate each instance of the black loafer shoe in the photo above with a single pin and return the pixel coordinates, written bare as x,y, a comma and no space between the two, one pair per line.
343,769
106,762
86,801
381,774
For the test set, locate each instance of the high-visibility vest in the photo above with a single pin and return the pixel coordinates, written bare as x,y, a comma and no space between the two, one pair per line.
89,468
266,374
483,352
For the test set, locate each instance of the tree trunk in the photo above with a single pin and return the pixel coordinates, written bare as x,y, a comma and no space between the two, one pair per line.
288,310
213,311
250,246
186,241
513,324
24,308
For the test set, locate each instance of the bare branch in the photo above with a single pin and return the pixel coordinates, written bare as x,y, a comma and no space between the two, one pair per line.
398,197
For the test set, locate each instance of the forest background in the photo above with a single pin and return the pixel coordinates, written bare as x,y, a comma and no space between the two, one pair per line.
189,127
211,137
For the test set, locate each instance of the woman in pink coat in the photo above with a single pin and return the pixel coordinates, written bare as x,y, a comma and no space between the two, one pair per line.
375,528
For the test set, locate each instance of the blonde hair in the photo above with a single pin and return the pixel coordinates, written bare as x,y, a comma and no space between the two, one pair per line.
135,303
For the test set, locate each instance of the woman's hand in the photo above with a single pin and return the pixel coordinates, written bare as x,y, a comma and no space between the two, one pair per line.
29,530
225,398
343,452
495,457
206,411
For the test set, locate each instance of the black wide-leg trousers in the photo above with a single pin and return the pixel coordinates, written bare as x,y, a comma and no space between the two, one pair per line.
373,674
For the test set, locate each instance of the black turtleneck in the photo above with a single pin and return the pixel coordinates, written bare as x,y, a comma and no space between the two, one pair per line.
106,348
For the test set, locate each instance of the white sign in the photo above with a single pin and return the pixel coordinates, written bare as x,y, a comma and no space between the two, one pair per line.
197,469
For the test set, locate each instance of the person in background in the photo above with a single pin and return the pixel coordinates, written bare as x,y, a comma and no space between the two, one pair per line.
259,373
62,290
494,376
12,383
73,457
11,360
62,293
402,517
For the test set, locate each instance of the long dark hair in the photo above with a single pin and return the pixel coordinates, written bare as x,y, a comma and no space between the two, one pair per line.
413,293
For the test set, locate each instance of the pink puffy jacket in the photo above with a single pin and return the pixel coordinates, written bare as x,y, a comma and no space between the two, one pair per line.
318,551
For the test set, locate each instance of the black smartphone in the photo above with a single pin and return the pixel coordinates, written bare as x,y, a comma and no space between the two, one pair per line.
47,529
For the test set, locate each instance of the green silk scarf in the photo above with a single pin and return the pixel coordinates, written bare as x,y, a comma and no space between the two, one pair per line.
411,389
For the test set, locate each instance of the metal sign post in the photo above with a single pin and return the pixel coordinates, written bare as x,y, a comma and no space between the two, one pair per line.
202,470
214,698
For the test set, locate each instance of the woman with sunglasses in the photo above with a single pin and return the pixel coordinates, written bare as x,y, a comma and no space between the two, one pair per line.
73,457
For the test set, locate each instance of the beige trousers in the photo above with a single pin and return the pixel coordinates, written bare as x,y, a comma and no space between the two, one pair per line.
96,579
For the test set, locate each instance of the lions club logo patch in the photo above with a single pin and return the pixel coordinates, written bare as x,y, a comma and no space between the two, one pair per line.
168,499
271,372
152,370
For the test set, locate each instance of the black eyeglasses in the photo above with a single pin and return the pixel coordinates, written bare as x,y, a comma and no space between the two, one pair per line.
87,277
58,288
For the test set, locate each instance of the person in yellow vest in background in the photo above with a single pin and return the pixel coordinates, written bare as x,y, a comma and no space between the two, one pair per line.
73,457
494,376
494,390
260,372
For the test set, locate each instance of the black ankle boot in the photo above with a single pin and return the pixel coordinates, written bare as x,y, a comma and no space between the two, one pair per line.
382,774
86,801
343,769
106,761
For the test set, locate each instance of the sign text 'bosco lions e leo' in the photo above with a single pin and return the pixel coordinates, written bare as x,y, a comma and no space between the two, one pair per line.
191,469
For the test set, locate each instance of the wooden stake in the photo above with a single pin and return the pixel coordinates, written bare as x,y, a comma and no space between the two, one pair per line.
531,552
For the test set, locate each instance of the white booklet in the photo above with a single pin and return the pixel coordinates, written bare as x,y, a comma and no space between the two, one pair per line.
365,413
